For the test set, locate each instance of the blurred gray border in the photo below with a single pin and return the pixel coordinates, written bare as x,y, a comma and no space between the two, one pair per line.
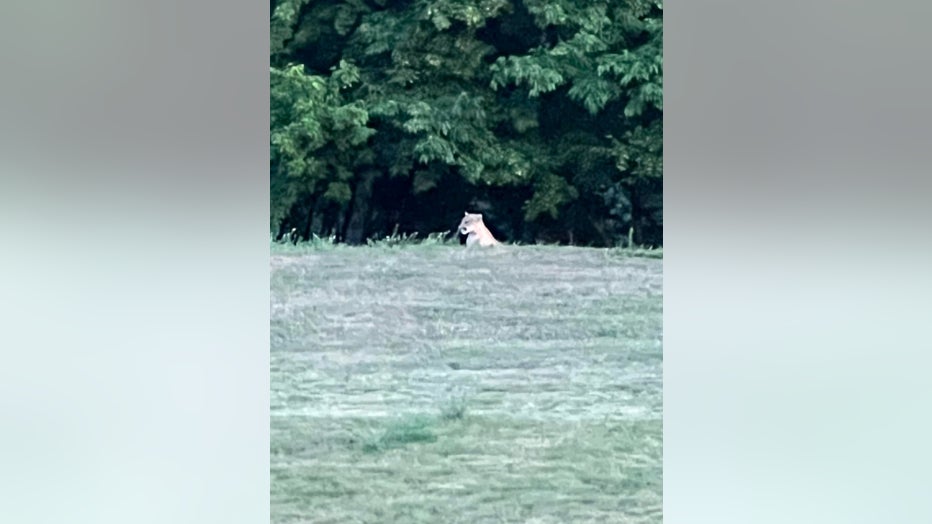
797,144
135,271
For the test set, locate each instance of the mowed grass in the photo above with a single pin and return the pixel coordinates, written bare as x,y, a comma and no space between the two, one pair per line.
434,384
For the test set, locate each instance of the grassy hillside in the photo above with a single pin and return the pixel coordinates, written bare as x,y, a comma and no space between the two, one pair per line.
432,384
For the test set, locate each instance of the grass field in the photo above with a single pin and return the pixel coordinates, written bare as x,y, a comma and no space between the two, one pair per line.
431,384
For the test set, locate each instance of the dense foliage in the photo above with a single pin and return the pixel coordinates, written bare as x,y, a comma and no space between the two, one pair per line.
544,115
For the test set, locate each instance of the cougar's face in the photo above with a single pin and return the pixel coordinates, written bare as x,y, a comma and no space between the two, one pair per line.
468,224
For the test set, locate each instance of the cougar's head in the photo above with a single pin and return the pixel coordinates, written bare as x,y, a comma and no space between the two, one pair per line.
469,222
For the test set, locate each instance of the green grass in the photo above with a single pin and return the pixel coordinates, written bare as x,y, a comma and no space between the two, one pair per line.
427,383
408,430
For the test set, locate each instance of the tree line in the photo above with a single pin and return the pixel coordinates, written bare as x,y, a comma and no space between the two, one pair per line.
546,116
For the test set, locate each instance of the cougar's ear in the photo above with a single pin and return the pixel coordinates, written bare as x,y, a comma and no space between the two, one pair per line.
465,213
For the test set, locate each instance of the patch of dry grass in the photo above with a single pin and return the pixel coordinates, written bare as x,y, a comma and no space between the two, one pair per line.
432,384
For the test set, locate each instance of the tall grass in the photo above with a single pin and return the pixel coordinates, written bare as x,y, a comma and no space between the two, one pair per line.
441,238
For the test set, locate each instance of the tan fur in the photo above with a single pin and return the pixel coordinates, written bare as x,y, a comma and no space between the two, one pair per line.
476,233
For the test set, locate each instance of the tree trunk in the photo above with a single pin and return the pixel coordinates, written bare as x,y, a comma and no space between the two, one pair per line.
597,226
359,209
316,219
